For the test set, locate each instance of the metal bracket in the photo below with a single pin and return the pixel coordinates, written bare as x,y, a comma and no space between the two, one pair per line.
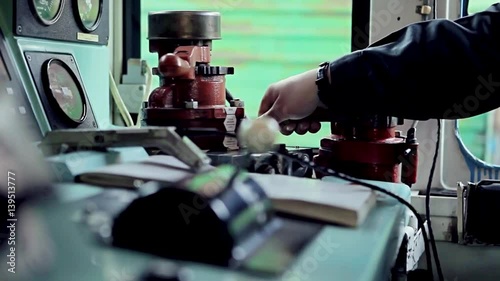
164,138
424,10
415,245
133,85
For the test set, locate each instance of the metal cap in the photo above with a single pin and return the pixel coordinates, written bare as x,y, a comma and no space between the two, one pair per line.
194,25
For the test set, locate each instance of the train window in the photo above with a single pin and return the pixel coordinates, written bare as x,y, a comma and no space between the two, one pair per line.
266,41
475,6
481,134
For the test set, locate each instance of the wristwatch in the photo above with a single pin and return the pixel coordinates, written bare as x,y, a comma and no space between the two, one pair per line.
322,78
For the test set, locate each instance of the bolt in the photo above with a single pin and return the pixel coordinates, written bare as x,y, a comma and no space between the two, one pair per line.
19,29
28,57
237,103
99,139
191,104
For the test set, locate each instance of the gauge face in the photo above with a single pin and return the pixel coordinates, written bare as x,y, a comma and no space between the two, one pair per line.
66,90
89,12
48,11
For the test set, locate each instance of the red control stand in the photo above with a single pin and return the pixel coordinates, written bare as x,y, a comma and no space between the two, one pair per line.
192,93
370,149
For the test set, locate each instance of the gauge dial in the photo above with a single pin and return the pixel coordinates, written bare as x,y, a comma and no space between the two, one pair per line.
90,13
48,11
66,90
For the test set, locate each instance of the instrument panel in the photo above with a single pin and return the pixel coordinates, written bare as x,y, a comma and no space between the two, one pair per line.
61,90
82,21
11,86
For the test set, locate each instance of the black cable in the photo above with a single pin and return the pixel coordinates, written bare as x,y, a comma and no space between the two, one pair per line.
229,97
333,173
465,8
233,177
428,204
434,10
336,174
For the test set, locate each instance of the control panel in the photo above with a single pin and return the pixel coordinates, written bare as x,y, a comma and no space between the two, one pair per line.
11,86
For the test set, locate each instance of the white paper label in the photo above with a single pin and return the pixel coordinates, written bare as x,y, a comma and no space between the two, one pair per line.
416,247
231,110
230,123
231,143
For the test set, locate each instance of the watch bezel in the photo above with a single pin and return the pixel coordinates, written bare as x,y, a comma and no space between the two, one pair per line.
321,75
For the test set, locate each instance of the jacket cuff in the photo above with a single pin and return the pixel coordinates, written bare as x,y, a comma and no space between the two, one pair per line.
342,72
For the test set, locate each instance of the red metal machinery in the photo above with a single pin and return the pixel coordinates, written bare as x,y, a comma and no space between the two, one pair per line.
192,93
370,148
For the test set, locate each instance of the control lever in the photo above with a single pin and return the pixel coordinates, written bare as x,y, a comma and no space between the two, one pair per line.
164,138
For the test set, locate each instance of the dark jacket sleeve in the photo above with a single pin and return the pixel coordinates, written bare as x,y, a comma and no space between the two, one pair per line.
434,69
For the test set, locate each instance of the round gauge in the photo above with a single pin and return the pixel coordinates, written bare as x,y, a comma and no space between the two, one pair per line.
65,90
48,11
89,12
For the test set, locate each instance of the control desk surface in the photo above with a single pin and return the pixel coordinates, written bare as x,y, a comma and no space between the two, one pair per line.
364,253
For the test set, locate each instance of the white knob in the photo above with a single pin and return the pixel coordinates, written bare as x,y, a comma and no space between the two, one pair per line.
258,135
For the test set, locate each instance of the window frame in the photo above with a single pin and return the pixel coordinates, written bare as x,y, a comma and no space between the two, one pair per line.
131,21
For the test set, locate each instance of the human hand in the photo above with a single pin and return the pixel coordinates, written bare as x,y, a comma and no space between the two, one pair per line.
291,101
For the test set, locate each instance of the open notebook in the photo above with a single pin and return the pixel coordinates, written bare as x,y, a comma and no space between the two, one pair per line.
343,204
162,168
340,203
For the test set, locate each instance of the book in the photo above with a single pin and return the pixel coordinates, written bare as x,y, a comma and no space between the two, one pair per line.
338,203
161,168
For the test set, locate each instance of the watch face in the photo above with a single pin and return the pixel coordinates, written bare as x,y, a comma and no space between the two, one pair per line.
89,12
48,11
66,90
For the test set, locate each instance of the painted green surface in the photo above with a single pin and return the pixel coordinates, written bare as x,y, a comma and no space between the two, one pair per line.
93,63
94,71
340,252
6,20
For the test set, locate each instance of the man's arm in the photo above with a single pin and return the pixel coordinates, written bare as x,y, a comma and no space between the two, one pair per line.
434,69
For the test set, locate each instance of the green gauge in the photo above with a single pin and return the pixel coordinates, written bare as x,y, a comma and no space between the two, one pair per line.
90,12
65,90
48,11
